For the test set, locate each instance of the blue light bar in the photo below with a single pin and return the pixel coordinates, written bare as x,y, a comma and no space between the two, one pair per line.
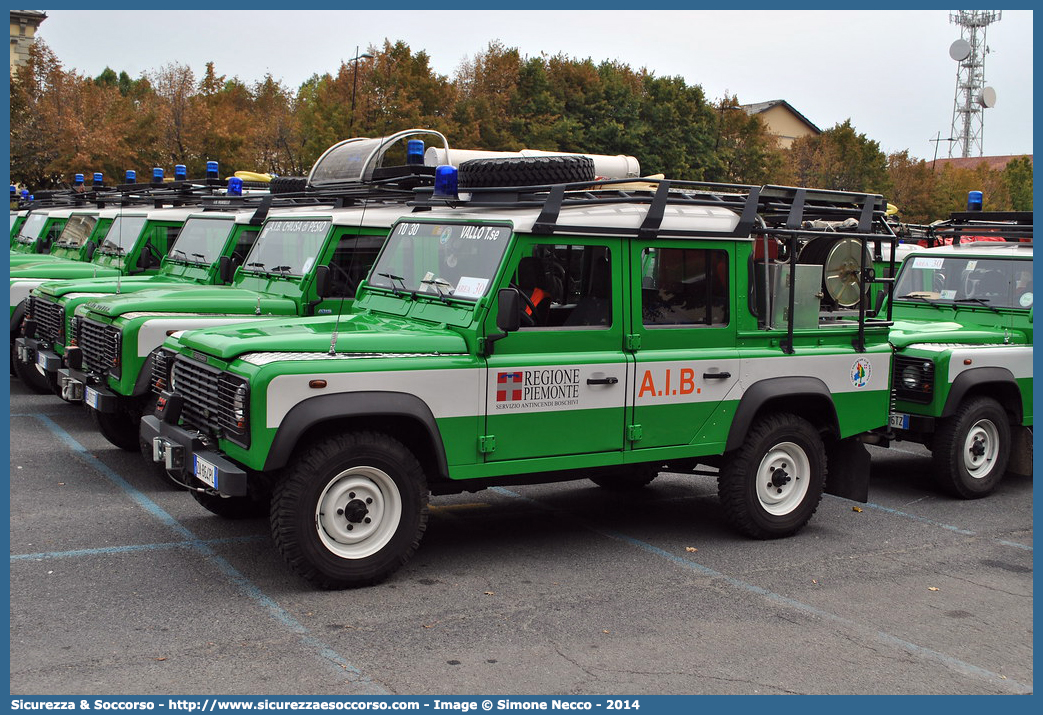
211,170
235,186
415,151
157,175
974,200
445,182
132,176
180,172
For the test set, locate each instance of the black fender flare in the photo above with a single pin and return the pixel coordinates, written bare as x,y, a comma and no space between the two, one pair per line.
322,408
975,377
762,392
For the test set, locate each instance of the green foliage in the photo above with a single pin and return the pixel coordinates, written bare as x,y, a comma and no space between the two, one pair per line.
1017,175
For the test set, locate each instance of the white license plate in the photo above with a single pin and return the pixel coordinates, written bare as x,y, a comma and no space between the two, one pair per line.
41,360
900,421
206,472
90,396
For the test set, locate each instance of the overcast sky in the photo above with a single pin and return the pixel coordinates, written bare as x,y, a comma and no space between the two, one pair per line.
889,72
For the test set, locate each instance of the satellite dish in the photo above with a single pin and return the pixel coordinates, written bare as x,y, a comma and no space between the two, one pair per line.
987,98
960,50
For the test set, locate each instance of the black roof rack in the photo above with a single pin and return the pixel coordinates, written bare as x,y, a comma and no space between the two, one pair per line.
1012,226
770,209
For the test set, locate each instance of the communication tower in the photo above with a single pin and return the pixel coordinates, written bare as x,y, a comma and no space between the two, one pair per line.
972,96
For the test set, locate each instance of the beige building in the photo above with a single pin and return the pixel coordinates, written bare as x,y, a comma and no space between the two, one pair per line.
23,32
782,120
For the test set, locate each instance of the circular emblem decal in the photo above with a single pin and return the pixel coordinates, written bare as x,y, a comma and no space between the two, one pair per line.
861,371
1025,300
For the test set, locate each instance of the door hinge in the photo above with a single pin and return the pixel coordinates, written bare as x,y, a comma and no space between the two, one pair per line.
632,342
634,432
487,443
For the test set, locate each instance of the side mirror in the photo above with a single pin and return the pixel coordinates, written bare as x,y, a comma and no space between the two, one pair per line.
91,248
225,269
508,314
322,281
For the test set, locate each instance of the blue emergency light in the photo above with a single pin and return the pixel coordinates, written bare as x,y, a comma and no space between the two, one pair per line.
157,175
132,176
97,178
211,170
180,172
974,201
78,180
235,186
445,182
415,151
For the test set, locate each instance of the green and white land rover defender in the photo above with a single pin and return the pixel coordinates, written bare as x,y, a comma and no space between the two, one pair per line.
520,335
963,351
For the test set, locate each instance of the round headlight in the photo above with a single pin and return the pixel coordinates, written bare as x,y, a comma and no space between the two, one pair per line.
911,377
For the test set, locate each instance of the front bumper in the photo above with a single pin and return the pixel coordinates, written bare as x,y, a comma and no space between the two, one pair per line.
33,351
184,453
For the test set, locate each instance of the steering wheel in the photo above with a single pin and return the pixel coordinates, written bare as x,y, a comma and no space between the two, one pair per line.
528,317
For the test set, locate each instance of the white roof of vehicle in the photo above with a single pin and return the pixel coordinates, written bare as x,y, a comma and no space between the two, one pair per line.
618,215
990,249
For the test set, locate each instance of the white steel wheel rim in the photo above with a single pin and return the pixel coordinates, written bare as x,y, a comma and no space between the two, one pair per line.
783,478
358,512
980,448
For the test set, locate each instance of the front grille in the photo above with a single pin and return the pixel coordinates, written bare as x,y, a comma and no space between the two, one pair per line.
48,317
99,344
208,398
160,370
923,391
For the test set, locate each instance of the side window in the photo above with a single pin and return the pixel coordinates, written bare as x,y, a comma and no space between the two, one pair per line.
243,244
172,232
351,262
684,286
566,286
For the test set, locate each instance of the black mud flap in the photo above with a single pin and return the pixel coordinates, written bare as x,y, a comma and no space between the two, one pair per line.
848,469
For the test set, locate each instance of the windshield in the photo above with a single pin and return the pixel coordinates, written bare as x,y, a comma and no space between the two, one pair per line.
122,234
14,217
31,228
201,240
452,260
76,231
995,282
288,247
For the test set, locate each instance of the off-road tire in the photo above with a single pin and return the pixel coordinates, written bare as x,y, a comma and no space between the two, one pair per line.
288,184
628,479
756,501
122,428
33,378
232,507
352,477
979,425
525,171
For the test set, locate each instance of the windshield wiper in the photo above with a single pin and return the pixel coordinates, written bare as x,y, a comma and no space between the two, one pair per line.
178,250
282,269
392,277
980,301
925,299
438,284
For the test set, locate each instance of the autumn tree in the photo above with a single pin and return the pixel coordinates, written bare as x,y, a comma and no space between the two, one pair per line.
913,191
746,152
840,159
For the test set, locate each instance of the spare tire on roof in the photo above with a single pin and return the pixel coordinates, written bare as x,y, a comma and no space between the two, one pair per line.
525,171
288,184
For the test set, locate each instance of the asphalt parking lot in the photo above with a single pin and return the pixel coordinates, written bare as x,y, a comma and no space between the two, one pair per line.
121,585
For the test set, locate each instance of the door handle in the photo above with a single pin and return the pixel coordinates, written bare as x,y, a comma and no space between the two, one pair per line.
716,375
602,380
